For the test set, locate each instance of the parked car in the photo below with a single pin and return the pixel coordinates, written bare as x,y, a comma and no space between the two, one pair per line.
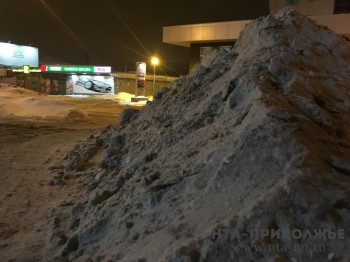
93,85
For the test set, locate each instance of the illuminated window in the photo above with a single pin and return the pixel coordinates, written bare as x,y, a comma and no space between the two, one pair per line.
292,2
341,6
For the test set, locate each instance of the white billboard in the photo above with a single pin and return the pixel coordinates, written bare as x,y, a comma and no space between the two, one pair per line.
90,84
18,55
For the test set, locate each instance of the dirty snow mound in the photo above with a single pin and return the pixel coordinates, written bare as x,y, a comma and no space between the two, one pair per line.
74,116
255,140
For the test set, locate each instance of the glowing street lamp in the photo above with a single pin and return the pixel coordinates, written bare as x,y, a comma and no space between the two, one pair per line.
154,62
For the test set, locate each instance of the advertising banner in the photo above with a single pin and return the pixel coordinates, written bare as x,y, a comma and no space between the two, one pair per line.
18,55
90,84
140,79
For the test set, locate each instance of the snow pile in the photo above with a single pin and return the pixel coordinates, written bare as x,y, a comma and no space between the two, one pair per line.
18,101
124,98
245,159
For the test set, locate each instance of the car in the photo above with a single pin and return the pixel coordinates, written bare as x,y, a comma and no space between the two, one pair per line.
93,85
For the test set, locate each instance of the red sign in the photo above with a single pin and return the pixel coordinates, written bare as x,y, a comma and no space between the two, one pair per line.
140,78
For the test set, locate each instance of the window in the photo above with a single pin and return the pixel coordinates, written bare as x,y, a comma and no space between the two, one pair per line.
225,47
341,6
204,50
292,2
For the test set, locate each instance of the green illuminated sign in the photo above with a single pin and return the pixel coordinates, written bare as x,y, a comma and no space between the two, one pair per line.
70,69
75,69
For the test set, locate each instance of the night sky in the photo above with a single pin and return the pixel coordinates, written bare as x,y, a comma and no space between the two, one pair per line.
114,33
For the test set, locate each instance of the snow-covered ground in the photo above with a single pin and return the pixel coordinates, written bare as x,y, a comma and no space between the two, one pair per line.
19,101
125,99
35,131
33,106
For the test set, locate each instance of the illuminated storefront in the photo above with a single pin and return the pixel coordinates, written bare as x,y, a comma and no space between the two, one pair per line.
28,77
78,79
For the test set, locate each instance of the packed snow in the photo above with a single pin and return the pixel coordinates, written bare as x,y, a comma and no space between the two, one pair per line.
19,101
30,145
125,99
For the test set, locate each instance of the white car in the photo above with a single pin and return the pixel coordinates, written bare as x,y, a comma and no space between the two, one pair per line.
93,85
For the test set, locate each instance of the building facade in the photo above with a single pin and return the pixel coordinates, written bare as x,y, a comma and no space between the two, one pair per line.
125,82
202,38
312,7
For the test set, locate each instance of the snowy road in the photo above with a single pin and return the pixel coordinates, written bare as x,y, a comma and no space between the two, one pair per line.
32,179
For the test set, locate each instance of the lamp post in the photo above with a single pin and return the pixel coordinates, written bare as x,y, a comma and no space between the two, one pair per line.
154,62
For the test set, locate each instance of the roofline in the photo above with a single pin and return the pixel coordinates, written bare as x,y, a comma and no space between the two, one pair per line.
185,35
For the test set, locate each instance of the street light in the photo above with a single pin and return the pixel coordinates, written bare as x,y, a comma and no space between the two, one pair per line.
154,62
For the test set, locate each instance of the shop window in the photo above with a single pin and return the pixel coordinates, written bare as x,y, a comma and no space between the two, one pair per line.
292,2
341,6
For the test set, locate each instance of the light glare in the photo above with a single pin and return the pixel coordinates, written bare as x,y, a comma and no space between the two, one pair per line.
155,60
